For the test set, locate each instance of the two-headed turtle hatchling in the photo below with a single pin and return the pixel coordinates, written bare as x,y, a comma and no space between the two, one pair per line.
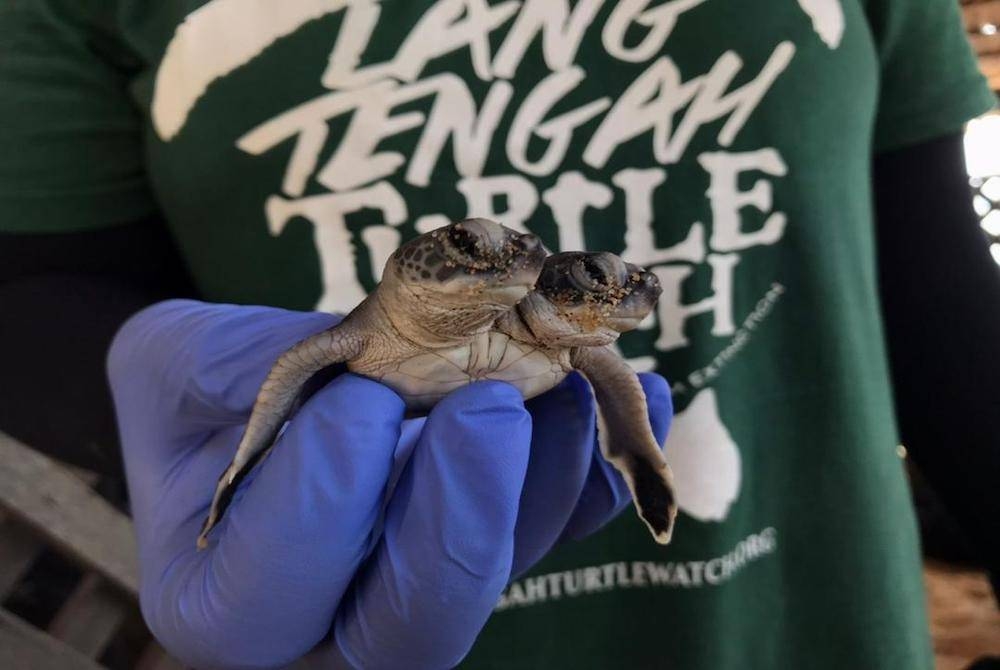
475,300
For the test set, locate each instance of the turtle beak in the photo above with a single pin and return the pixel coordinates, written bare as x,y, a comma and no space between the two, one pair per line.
644,292
650,283
533,254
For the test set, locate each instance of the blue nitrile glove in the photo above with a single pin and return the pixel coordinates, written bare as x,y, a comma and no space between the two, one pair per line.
491,484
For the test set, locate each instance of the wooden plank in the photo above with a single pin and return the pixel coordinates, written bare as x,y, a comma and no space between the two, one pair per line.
90,617
978,14
24,648
37,490
88,477
964,618
990,65
154,657
19,548
985,44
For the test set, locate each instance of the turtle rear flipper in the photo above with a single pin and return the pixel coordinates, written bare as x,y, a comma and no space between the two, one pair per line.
626,438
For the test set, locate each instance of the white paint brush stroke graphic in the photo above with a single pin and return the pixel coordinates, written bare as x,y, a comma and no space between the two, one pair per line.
827,18
705,460
215,40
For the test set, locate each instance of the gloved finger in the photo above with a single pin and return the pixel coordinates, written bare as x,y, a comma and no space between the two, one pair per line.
605,493
200,364
562,448
266,590
446,553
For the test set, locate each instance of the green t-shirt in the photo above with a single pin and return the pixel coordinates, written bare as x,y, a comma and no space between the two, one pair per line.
292,145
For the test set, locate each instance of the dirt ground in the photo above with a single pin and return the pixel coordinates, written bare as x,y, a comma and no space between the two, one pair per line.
965,620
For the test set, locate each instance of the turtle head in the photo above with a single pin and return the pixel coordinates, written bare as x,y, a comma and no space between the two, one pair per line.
589,299
457,279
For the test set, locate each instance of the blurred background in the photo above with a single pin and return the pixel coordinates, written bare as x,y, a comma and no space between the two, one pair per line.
965,621
982,139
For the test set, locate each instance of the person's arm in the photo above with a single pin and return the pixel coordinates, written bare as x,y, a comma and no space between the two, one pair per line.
940,292
80,246
64,295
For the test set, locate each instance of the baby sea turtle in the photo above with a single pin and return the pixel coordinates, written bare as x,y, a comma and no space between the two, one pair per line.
475,300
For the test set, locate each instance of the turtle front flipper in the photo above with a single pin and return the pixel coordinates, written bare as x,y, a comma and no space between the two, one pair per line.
626,438
274,404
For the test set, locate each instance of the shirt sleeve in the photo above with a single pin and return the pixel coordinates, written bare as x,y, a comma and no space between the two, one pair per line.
930,81
70,137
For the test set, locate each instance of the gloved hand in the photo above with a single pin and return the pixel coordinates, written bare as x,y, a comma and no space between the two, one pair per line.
491,485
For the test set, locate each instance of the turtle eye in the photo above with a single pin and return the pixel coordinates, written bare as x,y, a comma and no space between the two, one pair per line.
589,274
595,271
463,240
